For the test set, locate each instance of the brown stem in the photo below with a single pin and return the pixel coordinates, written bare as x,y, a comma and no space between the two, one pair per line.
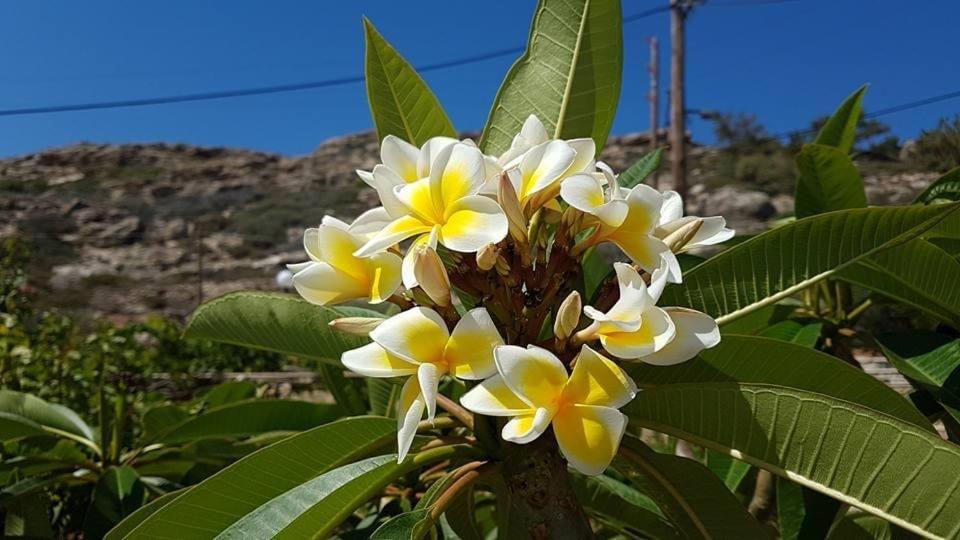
763,502
542,502
455,410
466,476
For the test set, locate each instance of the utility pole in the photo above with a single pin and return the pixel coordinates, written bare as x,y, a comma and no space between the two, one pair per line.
654,100
678,126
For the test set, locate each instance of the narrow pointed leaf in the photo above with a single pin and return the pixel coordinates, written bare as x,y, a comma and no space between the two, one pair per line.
352,486
621,505
639,171
228,496
827,181
858,455
253,417
274,322
931,361
840,131
569,75
24,415
917,273
785,260
945,188
400,101
694,499
774,363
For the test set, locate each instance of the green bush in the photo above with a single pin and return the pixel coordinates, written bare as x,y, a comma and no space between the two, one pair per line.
938,149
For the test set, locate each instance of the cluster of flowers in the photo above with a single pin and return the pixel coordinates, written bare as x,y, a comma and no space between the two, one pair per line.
540,202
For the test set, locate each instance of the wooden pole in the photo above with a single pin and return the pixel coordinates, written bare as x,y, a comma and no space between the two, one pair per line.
678,150
199,238
654,101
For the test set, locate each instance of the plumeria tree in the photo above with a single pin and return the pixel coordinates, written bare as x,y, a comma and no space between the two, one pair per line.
538,337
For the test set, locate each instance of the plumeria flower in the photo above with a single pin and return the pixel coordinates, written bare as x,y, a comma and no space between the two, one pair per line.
627,218
533,388
713,230
536,164
635,328
446,204
416,344
402,163
334,274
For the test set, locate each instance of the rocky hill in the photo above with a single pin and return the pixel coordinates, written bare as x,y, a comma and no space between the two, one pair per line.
122,231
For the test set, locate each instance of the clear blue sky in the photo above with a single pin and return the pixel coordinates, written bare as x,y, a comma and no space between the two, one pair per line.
785,62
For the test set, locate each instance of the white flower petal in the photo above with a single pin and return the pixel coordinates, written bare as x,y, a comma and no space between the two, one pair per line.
695,332
583,192
400,156
473,222
493,397
598,381
397,231
469,351
526,428
534,374
366,176
370,222
589,436
372,360
410,409
385,181
428,153
672,208
428,376
457,172
543,165
417,335
586,150
321,284
656,331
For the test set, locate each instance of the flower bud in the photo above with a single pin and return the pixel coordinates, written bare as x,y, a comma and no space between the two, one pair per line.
487,257
682,236
568,316
356,326
510,202
432,276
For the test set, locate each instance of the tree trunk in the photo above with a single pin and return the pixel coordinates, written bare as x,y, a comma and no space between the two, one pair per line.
542,502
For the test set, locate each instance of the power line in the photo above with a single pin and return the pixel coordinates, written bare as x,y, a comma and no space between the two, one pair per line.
882,112
276,89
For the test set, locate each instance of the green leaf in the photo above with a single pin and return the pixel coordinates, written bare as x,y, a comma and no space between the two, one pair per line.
122,529
917,273
785,260
160,419
228,496
28,518
406,525
945,188
827,180
799,333
802,512
23,415
930,360
230,392
383,395
694,499
865,458
118,493
621,505
461,517
867,527
253,417
569,76
317,507
639,171
772,363
346,392
730,471
840,131
276,322
400,101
